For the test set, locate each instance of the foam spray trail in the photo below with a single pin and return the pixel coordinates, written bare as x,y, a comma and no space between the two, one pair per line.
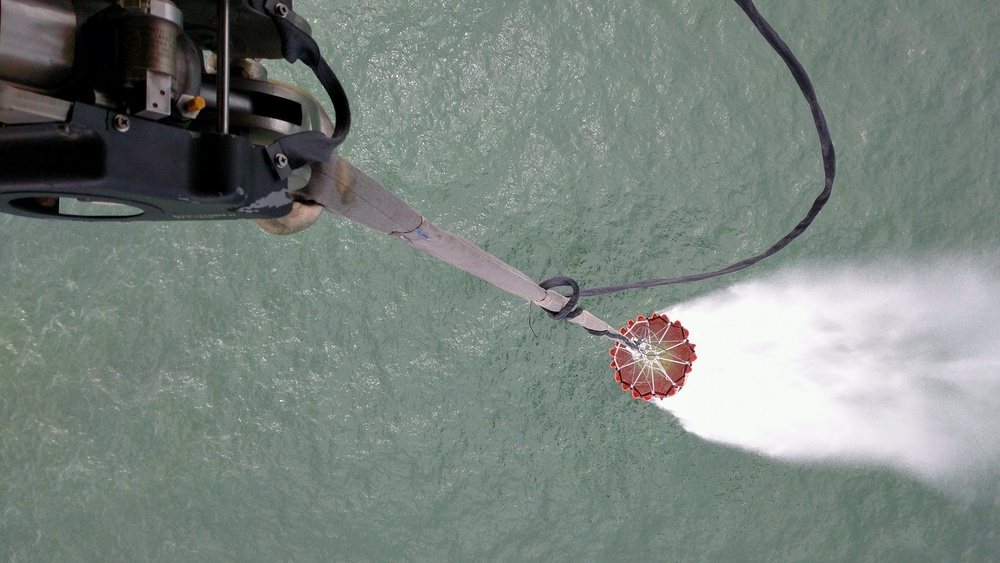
892,365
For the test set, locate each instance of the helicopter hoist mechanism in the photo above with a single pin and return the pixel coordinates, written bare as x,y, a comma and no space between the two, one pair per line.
120,111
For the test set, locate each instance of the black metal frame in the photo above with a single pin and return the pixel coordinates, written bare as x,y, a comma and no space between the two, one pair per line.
167,172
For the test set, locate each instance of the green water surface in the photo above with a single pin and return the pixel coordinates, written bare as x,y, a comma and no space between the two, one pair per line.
207,392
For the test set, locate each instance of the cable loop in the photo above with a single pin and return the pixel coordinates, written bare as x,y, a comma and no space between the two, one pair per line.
569,310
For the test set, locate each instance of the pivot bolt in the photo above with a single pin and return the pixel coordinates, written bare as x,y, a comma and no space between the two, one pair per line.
281,10
121,123
280,160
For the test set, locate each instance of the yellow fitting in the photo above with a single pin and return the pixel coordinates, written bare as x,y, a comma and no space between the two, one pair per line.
195,104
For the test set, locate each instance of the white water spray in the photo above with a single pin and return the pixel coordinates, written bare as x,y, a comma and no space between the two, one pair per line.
892,365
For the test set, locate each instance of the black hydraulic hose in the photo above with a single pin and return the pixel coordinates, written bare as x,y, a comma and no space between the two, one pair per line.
296,45
826,148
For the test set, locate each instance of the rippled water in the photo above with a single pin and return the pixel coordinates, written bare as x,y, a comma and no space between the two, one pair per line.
203,391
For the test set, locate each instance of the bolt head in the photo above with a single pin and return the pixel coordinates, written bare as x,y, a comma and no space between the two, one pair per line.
280,160
121,123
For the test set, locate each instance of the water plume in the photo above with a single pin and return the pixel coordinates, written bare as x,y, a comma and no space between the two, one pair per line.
893,365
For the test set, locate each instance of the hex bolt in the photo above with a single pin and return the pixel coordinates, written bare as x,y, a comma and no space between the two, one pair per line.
280,160
121,123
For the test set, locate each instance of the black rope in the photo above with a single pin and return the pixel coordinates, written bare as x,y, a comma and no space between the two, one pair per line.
296,45
631,344
569,310
826,147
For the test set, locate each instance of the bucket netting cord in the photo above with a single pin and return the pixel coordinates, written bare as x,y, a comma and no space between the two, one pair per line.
658,365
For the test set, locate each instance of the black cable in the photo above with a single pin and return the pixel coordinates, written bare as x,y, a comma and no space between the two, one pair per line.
826,147
569,310
296,45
